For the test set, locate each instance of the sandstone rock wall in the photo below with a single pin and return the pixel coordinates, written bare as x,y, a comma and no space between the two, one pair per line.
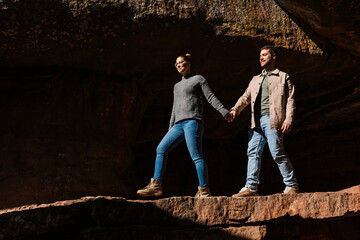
86,93
329,23
279,216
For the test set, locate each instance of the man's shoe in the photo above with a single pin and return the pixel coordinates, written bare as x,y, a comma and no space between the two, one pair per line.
291,190
203,192
246,192
153,189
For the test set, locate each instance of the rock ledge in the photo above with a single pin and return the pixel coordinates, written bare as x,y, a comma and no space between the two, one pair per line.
277,215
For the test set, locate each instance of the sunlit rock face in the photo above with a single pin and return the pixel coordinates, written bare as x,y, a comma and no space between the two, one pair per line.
326,215
328,22
86,96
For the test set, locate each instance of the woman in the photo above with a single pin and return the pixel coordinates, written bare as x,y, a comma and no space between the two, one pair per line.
185,124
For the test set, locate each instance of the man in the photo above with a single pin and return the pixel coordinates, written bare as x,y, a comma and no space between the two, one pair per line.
271,95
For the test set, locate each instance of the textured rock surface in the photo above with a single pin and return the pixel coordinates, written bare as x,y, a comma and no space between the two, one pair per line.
213,218
120,36
86,93
328,22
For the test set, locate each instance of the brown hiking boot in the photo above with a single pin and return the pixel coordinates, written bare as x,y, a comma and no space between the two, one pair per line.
153,189
246,192
203,192
291,190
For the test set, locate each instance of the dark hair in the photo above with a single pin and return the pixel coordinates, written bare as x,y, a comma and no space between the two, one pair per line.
271,49
187,57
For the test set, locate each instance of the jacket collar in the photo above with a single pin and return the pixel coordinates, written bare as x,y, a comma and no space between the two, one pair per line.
274,72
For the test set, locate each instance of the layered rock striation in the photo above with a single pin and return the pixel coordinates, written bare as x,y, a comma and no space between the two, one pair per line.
280,216
86,93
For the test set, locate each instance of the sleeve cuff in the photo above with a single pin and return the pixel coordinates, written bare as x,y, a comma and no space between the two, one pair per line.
224,111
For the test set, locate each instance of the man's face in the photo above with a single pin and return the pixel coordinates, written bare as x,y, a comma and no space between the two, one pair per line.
266,59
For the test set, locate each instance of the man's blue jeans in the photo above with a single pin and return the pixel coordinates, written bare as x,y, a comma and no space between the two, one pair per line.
257,140
192,132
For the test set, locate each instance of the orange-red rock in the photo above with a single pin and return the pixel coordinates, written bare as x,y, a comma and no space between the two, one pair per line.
260,217
86,93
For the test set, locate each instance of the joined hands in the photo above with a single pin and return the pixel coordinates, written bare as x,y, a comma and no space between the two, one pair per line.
230,116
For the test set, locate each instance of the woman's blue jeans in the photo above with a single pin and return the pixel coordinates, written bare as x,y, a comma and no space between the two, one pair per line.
257,140
192,132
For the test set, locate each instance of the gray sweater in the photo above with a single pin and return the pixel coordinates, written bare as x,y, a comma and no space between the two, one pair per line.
188,94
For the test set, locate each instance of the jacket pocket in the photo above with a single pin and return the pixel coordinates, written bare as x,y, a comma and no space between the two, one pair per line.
280,89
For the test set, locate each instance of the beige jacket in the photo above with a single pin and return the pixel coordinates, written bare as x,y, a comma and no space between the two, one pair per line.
281,98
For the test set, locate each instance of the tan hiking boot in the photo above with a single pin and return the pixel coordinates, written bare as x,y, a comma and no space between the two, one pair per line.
246,192
203,192
153,189
291,190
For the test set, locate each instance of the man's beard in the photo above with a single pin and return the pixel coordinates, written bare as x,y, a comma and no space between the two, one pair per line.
267,64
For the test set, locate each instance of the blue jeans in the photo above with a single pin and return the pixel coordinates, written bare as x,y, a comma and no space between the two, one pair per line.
257,140
192,132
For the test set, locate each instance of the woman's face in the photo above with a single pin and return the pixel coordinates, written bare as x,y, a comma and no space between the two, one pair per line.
182,66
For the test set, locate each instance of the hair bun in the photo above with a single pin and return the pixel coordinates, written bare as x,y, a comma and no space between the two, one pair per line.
188,55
